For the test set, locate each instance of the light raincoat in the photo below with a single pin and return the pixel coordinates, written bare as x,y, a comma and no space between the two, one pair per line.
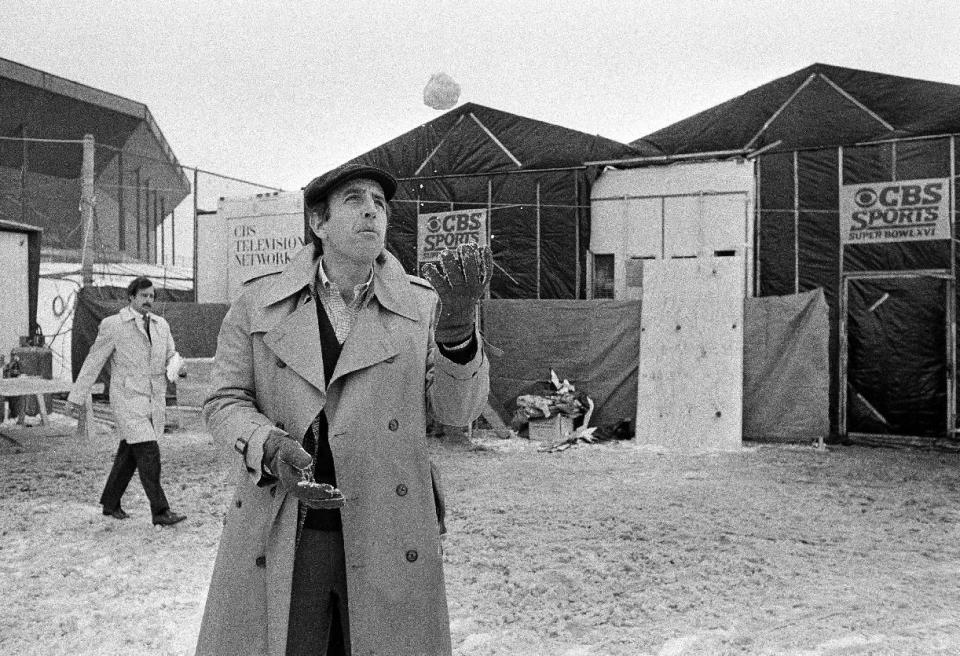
269,373
138,373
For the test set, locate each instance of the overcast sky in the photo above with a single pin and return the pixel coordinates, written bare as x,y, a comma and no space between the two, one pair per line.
278,92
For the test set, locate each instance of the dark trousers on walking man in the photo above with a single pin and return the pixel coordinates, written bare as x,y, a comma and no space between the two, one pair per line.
145,458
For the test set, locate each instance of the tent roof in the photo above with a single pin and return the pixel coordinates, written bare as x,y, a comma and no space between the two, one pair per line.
45,106
473,139
820,105
15,226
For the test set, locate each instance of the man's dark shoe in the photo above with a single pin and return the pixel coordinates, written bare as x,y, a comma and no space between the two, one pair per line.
117,513
167,518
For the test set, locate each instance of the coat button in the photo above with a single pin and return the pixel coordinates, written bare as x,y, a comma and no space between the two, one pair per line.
401,490
239,502
261,561
390,359
393,425
281,364
273,491
412,555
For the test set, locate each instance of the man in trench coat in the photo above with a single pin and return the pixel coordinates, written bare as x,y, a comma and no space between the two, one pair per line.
139,346
344,354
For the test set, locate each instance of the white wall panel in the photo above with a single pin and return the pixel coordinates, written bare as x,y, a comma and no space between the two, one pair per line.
15,307
690,209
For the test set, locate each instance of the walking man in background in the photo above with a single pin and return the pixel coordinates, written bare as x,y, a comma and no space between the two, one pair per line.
139,346
325,372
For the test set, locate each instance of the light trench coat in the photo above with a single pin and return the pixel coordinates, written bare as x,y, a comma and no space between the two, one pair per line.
138,373
269,374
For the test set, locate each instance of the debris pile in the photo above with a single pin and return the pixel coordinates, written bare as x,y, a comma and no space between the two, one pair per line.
563,399
618,431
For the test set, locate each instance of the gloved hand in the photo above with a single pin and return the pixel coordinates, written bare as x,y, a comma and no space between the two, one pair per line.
290,463
460,280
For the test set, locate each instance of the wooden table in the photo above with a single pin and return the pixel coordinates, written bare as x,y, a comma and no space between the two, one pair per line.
37,387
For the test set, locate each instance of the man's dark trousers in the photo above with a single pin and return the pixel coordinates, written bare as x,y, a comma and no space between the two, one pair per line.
144,457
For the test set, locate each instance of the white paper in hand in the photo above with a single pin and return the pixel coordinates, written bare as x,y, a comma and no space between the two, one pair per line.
174,365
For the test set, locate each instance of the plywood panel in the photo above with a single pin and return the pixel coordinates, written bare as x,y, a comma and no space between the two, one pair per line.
13,290
690,380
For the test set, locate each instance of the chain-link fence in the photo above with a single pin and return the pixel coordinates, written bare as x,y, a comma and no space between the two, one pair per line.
108,214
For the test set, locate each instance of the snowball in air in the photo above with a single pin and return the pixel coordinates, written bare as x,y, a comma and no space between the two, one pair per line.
441,92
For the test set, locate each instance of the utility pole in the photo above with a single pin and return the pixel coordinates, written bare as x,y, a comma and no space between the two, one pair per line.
87,204
196,232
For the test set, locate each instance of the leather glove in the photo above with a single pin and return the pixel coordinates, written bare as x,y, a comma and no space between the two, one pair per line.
289,462
460,280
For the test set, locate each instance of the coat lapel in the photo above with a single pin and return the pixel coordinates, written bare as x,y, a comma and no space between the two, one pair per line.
294,340
292,336
368,343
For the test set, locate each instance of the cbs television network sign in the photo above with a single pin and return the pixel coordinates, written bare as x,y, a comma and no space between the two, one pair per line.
905,210
441,230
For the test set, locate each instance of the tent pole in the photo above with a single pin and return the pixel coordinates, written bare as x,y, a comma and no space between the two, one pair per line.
893,161
952,299
24,168
538,240
146,218
489,222
173,236
196,231
137,218
842,332
796,222
576,237
749,239
87,200
163,235
757,172
121,209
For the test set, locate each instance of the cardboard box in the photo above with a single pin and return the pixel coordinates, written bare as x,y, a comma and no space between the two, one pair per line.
551,429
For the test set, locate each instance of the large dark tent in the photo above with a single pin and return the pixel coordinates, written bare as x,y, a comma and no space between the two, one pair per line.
528,174
856,195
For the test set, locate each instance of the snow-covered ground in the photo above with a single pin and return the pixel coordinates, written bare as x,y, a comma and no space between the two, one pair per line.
598,550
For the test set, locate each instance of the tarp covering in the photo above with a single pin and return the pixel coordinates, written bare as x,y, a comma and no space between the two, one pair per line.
816,106
475,157
898,373
194,326
786,371
593,344
811,113
798,248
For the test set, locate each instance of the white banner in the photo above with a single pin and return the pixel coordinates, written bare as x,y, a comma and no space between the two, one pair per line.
906,210
442,230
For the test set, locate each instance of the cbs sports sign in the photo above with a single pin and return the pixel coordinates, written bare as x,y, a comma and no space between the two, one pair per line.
438,231
906,210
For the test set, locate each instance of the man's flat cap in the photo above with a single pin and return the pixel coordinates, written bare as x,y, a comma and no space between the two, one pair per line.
320,187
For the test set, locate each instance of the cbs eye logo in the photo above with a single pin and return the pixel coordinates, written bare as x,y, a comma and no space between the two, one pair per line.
434,224
865,197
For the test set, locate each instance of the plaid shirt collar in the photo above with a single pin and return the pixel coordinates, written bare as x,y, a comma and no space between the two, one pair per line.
361,292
